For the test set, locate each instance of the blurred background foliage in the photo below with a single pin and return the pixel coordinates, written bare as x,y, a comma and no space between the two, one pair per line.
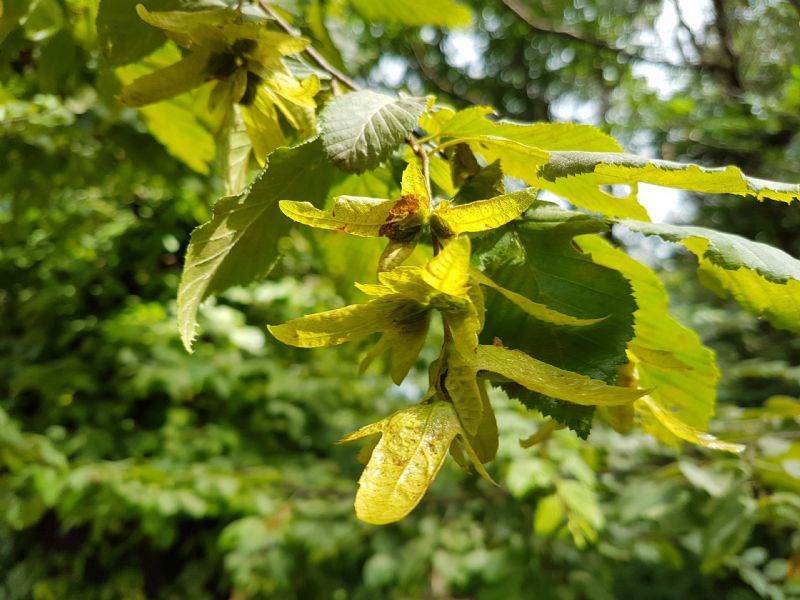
131,469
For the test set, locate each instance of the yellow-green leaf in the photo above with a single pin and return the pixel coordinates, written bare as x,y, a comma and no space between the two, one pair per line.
552,381
669,358
482,215
351,214
404,343
413,188
333,327
404,463
182,124
535,309
618,167
486,440
448,271
177,78
461,381
680,429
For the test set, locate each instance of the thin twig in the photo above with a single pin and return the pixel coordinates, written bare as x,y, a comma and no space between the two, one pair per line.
424,159
726,41
310,50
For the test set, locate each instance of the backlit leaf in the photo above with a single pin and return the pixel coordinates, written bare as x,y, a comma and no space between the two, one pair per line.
443,13
651,409
611,167
351,214
361,129
482,215
762,278
182,124
337,326
669,358
448,271
240,242
552,381
404,463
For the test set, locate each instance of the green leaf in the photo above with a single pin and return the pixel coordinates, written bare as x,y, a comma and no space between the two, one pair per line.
481,215
404,463
177,78
552,381
461,381
669,358
240,242
361,129
538,259
442,13
123,36
182,124
761,278
540,311
237,150
612,167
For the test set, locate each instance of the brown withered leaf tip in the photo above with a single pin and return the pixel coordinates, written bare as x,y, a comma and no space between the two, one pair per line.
407,205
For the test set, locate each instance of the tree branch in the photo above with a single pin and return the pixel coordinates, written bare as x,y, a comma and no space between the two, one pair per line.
574,35
726,43
310,50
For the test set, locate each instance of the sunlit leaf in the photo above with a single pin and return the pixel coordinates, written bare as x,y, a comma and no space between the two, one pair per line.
611,167
351,214
652,409
762,278
669,358
361,129
552,381
404,463
481,215
448,271
444,13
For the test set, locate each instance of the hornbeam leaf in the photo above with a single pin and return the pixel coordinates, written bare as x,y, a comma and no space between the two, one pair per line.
582,191
337,326
123,36
403,341
552,381
486,440
612,167
682,430
547,136
448,271
538,259
669,358
182,124
240,242
351,214
404,463
482,215
442,13
461,381
540,311
361,129
762,279
236,154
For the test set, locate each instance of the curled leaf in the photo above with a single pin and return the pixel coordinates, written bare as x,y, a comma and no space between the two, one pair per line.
535,309
552,381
